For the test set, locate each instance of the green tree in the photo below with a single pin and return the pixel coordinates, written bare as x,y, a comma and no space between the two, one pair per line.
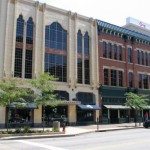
11,93
137,102
44,88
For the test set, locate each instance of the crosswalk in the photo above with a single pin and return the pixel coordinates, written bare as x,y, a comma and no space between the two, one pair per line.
39,145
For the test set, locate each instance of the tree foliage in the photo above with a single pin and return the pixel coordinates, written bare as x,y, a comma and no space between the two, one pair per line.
135,101
45,90
11,92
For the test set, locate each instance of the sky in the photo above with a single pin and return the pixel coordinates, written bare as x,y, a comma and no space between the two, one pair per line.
112,11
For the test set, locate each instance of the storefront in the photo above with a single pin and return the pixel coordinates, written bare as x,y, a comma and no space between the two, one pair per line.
20,116
86,110
113,105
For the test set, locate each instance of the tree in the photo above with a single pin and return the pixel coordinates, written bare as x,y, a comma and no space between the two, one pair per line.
11,93
45,92
137,102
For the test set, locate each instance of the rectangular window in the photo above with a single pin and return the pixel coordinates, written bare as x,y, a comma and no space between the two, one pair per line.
115,52
145,81
130,55
120,75
130,78
18,63
106,77
120,53
140,80
105,49
87,71
138,57
79,70
110,50
113,77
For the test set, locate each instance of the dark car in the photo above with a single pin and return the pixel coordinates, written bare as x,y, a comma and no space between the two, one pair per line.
146,124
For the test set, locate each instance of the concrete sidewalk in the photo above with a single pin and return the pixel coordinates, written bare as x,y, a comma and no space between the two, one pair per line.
77,130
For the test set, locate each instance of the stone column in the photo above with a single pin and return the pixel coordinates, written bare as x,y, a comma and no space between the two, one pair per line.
72,117
38,116
2,116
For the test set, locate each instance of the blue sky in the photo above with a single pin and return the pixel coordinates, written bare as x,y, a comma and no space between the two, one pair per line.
113,11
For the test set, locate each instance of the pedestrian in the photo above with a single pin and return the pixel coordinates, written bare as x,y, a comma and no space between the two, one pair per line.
146,116
64,127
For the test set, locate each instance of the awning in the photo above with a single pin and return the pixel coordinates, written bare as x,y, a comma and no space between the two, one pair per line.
23,105
116,107
146,107
89,107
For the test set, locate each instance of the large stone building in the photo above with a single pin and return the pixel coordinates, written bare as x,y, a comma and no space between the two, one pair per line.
37,37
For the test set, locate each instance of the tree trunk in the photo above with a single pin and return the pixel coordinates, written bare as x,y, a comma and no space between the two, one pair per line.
135,118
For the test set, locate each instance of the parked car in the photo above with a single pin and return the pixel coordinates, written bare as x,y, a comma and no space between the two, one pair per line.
146,124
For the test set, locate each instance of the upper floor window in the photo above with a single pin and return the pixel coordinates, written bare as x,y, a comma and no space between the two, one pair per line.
106,77
86,43
145,81
130,78
140,81
20,29
113,77
138,57
56,47
129,55
142,55
79,40
55,37
115,52
83,59
29,32
146,59
105,49
110,50
120,76
120,52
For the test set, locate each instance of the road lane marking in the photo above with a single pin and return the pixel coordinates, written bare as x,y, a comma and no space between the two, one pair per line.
40,145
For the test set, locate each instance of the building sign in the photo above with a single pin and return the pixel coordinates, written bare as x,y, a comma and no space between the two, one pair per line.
139,23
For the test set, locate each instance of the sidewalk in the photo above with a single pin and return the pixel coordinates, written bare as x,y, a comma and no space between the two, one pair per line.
78,130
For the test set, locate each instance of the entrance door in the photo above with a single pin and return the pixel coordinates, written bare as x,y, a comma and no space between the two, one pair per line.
114,116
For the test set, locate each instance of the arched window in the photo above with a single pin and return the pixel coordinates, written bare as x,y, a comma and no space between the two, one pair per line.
79,40
55,51
19,47
86,59
29,48
83,69
56,37
79,57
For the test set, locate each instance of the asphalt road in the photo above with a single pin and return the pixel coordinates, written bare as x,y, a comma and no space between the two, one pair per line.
133,139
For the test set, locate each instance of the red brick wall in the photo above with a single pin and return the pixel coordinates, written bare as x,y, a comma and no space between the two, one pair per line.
122,64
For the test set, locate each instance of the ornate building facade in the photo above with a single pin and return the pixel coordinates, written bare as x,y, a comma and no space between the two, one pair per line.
40,38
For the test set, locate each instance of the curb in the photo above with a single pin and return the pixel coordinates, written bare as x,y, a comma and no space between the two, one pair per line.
62,135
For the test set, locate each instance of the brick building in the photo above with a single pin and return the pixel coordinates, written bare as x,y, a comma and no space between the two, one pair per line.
124,65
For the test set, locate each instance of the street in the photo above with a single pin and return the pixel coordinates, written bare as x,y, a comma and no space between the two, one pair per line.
132,139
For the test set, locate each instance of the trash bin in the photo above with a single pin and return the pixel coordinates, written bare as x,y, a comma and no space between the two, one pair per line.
56,126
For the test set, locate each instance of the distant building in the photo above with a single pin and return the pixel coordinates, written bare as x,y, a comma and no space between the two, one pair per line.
137,25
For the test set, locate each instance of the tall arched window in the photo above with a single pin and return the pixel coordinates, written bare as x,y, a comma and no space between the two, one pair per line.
29,48
83,58
55,51
19,47
79,56
86,59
